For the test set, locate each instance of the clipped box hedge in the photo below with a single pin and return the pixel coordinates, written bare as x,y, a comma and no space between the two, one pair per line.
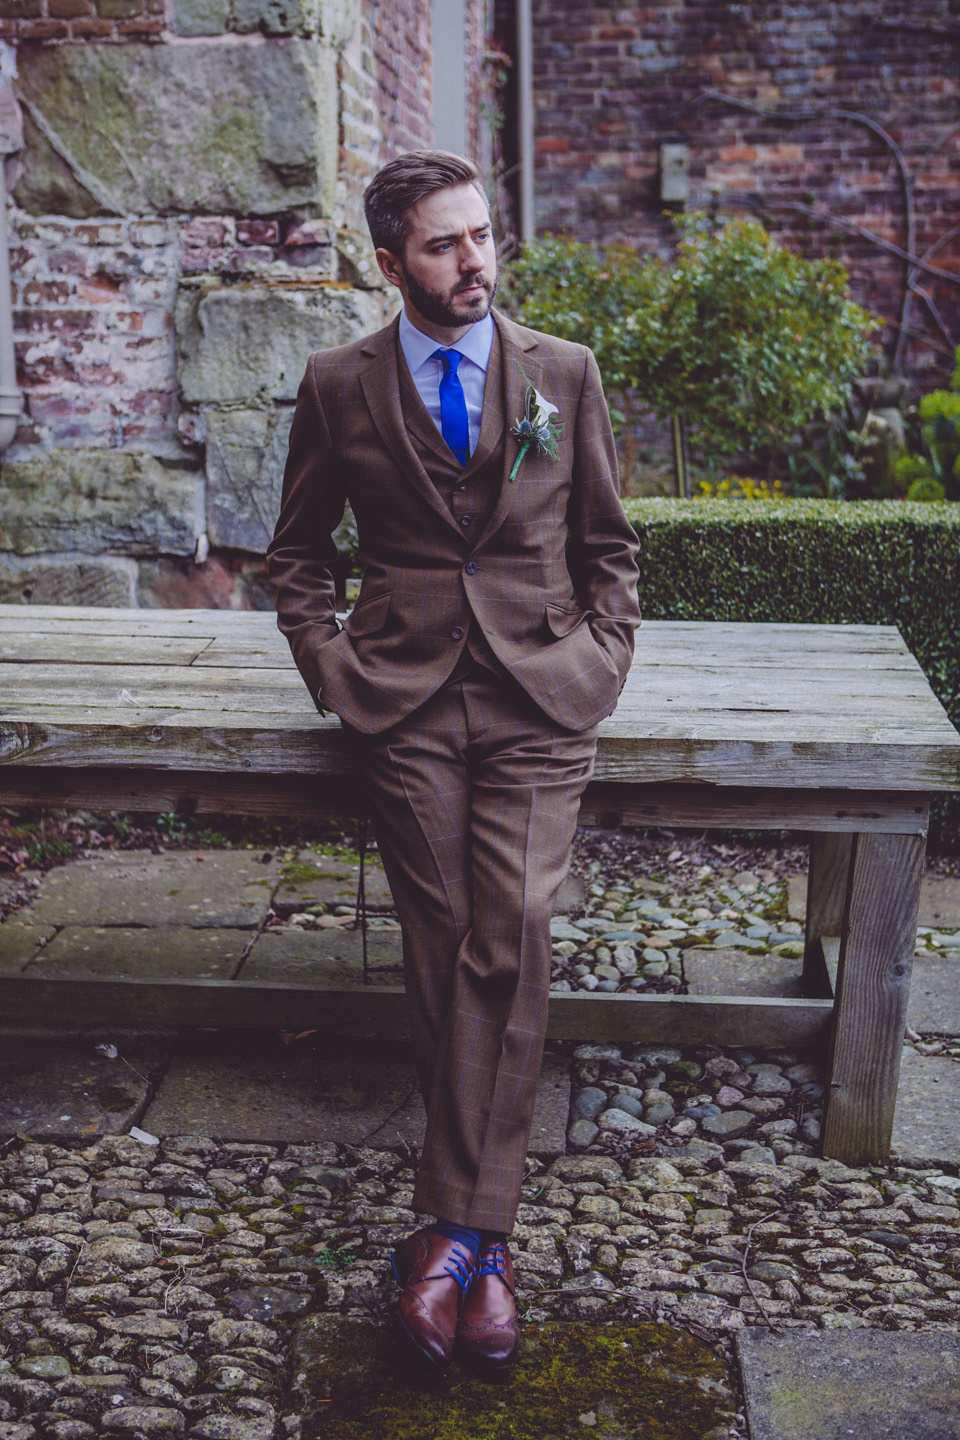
873,562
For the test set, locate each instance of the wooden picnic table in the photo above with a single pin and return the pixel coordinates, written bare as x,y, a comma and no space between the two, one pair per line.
831,730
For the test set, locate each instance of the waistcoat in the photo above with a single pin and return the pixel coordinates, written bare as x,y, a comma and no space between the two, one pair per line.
470,492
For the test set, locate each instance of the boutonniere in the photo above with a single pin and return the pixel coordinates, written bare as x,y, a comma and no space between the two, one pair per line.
540,429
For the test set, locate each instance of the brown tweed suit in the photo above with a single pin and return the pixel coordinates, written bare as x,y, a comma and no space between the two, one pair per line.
472,673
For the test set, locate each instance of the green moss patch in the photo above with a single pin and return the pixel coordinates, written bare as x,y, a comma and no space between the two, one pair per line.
573,1380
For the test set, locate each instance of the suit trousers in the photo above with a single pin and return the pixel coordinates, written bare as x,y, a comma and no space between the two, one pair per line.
474,800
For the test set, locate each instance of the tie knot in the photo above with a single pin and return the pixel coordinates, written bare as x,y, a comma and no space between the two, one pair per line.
449,359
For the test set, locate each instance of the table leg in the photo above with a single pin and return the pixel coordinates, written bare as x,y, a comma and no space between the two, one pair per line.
827,879
876,957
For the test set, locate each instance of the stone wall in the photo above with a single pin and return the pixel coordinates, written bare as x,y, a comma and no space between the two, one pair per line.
187,228
781,108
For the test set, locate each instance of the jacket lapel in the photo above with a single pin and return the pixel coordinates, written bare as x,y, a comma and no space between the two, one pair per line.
518,350
380,382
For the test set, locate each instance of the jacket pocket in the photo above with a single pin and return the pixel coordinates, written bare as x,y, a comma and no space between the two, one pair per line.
561,620
369,616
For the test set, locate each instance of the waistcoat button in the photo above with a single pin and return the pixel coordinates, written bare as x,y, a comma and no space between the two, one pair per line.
456,633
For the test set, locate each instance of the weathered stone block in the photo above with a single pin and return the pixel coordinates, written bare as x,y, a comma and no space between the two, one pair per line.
201,17
240,344
246,450
276,17
48,186
243,129
332,20
67,580
99,501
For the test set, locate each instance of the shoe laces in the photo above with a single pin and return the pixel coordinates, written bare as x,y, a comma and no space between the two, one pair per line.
460,1267
493,1260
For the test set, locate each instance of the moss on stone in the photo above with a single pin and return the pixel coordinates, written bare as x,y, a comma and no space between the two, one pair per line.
615,1381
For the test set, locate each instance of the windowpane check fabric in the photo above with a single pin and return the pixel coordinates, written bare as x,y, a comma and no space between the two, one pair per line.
454,424
493,631
475,801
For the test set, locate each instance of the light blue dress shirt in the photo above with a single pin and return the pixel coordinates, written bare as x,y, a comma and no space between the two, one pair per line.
426,372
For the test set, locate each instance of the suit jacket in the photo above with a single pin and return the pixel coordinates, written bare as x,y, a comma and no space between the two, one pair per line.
550,580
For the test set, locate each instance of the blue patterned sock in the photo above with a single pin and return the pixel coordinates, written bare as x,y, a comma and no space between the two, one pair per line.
463,1234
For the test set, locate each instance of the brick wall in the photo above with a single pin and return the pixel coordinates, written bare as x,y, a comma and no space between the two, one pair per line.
104,20
613,82
386,93
122,411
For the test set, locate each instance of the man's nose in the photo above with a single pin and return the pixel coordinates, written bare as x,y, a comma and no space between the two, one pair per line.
470,256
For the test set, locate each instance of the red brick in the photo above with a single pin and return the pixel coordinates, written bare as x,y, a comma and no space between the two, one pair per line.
100,289
258,232
51,291
144,29
21,9
69,9
90,29
203,232
43,30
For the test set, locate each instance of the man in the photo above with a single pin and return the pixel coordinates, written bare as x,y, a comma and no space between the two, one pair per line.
493,631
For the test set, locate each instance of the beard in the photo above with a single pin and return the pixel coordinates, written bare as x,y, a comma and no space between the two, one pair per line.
439,306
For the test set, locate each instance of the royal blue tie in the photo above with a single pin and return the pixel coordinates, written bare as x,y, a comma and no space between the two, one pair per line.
454,425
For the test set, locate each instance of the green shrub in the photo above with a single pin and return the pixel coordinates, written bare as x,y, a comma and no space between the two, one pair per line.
932,470
742,338
814,562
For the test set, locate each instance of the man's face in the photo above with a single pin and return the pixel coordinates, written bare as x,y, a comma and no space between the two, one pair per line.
447,274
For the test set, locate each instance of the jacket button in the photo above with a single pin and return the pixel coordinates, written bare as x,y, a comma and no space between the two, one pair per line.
471,567
456,633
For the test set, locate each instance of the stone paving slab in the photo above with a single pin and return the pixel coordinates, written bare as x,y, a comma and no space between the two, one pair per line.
19,943
230,888
573,1379
66,1088
925,1123
324,957
311,879
939,900
347,1091
934,1004
162,953
806,1385
732,972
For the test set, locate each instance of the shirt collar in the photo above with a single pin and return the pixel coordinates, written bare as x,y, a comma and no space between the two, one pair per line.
418,348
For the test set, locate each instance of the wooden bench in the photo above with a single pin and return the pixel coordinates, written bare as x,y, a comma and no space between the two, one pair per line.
827,729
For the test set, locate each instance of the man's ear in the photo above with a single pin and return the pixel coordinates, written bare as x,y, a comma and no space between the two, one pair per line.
390,267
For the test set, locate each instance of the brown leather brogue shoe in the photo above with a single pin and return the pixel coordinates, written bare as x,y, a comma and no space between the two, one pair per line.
488,1336
435,1273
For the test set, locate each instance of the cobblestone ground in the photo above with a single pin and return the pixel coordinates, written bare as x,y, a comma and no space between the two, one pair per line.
156,1289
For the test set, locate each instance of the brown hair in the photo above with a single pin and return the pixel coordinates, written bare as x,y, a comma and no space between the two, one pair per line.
404,182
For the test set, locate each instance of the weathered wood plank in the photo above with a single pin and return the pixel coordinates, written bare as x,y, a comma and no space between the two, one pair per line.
168,662
337,792
381,1010
643,806
873,982
30,648
308,744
